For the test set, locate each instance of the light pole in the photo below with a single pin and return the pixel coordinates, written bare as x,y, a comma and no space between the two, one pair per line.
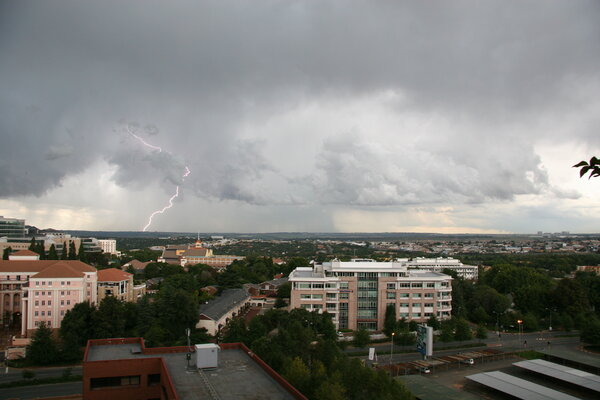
392,347
520,322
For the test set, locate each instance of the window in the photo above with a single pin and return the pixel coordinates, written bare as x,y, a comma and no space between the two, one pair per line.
430,284
153,379
43,313
37,303
331,306
303,285
391,295
37,323
403,304
97,383
428,295
404,284
43,293
428,304
62,293
37,293
416,315
62,283
49,313
62,313
317,297
391,286
36,313
305,296
343,285
344,296
68,283
49,302
43,302
18,277
331,296
417,305
68,302
416,295
36,282
404,295
43,283
416,285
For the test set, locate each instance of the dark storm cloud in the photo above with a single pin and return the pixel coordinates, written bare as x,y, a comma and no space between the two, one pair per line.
192,73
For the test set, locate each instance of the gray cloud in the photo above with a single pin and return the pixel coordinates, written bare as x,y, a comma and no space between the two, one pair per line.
194,75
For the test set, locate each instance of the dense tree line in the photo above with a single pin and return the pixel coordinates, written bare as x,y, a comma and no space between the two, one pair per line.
506,293
302,346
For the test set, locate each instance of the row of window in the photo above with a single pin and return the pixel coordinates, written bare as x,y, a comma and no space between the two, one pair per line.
48,323
49,313
368,285
62,302
62,293
50,283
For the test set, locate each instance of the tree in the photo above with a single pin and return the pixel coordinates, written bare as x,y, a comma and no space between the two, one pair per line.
81,252
72,250
109,320
76,325
43,349
280,303
591,331
361,338
284,291
593,167
32,244
298,375
433,322
65,252
463,330
389,322
481,332
52,254
6,253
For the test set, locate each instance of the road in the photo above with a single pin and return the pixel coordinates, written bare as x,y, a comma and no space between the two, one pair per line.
32,392
16,374
508,343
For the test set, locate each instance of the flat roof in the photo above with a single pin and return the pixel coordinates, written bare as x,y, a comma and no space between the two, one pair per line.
237,376
573,356
428,389
517,387
571,375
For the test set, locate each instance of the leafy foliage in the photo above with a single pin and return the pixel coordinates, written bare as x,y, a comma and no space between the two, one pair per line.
302,347
593,167
43,349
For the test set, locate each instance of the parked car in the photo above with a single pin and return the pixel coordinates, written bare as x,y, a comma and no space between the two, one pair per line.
468,361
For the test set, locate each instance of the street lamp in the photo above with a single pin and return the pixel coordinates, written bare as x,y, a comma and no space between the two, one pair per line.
520,322
392,347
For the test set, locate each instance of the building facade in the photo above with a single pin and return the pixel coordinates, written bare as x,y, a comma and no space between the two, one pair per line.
108,246
358,292
113,282
12,227
39,291
440,263
185,255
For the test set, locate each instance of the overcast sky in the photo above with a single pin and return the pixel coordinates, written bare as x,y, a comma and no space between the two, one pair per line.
349,116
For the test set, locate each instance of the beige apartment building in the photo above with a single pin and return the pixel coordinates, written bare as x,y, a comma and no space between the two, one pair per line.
116,283
358,292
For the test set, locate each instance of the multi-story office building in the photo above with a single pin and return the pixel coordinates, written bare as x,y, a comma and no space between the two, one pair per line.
358,292
12,227
440,263
108,245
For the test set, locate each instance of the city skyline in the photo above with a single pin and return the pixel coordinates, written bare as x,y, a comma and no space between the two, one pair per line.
300,117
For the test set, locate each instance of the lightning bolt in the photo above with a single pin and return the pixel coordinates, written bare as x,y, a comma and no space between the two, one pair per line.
185,174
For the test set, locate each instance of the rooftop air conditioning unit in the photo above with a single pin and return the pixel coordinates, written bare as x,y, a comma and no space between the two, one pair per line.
207,355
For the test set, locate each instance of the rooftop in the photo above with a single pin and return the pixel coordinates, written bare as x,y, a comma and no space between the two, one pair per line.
240,375
56,268
113,275
218,307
